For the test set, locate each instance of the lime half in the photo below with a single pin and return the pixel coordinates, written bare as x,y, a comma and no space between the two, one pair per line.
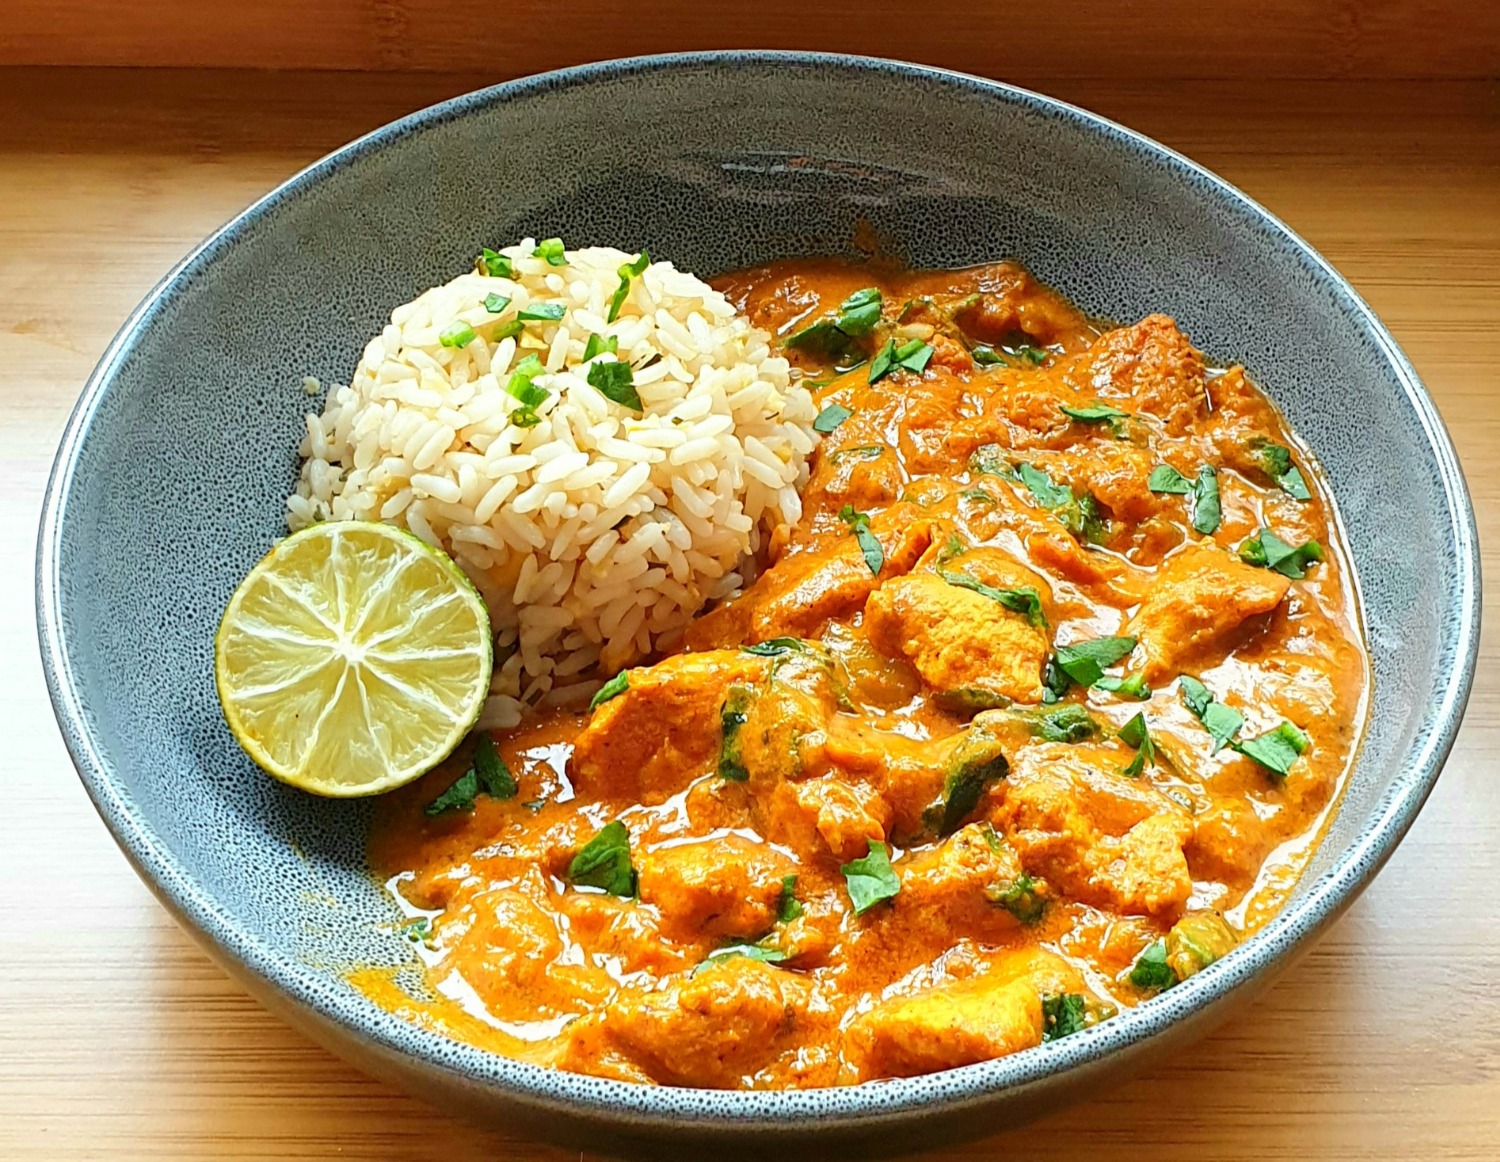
352,659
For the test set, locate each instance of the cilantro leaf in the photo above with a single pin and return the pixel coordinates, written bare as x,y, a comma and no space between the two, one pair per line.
1276,460
1222,722
788,907
859,522
1067,723
774,647
1085,662
611,689
1094,413
1165,478
459,796
733,714
1024,600
1206,509
749,952
856,319
1151,970
1062,1016
1269,551
871,879
604,862
1134,733
494,775
1276,750
830,418
1131,686
1022,900
977,761
616,383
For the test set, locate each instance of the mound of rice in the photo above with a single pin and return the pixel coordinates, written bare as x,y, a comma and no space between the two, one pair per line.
594,531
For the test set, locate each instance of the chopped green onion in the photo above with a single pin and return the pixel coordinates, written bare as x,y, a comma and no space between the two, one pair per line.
552,250
493,264
509,329
520,385
615,382
494,303
457,334
626,271
541,313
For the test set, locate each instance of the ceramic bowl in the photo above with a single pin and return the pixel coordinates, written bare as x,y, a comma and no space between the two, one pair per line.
170,479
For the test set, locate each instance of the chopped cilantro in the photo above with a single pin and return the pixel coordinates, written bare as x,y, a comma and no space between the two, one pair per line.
1094,413
871,879
1222,722
977,761
604,862
1277,462
985,356
611,689
1134,733
749,952
1165,478
732,715
775,647
615,382
1025,600
1085,662
859,522
830,418
856,319
1062,1016
494,776
459,796
1022,900
1066,723
1206,510
1276,750
788,907
1132,686
1151,970
1269,551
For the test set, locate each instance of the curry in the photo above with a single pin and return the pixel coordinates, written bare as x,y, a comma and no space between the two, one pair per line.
1039,708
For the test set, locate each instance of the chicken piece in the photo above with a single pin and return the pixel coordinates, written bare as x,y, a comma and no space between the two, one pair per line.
1194,612
959,639
1153,365
727,887
647,743
864,474
1101,838
802,592
846,815
713,1028
969,885
960,1022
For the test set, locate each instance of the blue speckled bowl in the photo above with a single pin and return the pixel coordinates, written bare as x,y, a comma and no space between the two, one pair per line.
170,480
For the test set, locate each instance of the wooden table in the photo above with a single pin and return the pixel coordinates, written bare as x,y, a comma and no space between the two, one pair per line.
120,1040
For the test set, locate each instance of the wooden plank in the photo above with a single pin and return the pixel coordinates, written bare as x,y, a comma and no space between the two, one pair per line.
1140,40
120,1041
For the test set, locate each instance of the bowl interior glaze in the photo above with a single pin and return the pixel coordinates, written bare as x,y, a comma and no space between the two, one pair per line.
170,481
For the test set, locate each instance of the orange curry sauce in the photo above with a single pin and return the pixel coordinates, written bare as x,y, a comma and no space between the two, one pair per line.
1037,854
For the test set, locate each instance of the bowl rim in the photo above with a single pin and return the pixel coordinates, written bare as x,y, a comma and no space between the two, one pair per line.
354,1019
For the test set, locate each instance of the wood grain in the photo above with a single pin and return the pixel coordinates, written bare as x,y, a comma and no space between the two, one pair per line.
119,1040
1146,39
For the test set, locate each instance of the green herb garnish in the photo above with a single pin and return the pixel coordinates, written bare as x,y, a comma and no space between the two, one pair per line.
520,385
788,907
856,319
1269,551
984,355
749,952
1276,750
1222,722
459,796
1022,900
860,522
494,776
1025,600
912,355
493,264
457,334
1165,478
1062,1016
626,271
733,714
541,313
604,862
1085,662
830,418
977,761
552,250
1134,733
1133,686
509,329
615,382
1078,512
611,689
599,345
495,304
1067,723
1276,460
1095,413
1151,970
1206,510
775,647
871,879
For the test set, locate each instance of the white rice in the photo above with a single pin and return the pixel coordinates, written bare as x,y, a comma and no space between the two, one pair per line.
596,534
